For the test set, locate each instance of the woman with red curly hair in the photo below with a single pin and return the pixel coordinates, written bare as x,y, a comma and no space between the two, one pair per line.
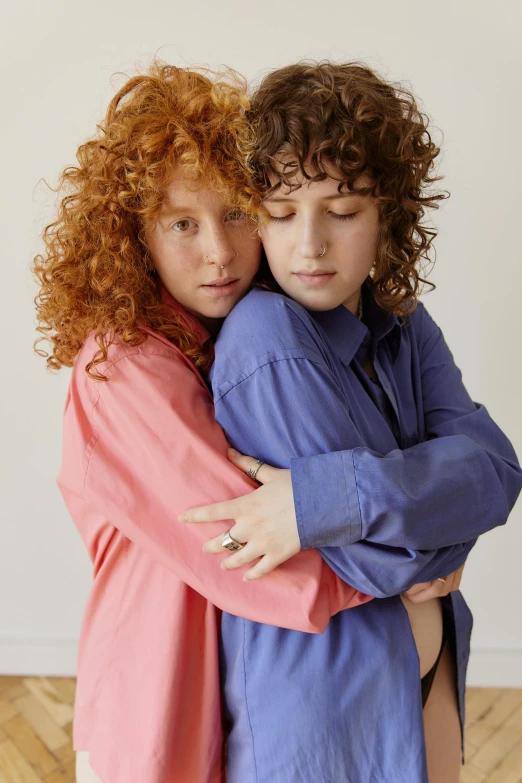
151,249
338,372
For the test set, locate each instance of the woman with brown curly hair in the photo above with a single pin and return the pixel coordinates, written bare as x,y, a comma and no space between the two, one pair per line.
151,249
340,373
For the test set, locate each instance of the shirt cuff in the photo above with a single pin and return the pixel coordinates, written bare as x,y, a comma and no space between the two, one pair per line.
326,501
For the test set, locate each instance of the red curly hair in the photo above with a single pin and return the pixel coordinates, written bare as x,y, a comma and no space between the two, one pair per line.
96,275
348,117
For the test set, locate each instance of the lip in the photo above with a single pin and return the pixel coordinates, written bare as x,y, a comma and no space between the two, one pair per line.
222,286
314,278
221,281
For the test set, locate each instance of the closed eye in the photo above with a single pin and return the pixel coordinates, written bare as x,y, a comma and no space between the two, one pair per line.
281,219
349,216
335,215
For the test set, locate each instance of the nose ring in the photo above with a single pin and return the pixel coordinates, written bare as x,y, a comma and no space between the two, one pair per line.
221,266
324,251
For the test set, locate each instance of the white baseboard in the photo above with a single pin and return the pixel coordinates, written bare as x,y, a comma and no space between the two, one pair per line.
495,667
51,656
38,656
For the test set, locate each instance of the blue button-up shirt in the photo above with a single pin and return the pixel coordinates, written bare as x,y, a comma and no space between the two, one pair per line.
393,483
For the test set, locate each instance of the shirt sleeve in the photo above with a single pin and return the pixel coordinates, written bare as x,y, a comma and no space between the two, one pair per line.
290,411
461,481
156,450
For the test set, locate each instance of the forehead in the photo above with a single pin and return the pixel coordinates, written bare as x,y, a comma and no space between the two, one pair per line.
185,189
182,184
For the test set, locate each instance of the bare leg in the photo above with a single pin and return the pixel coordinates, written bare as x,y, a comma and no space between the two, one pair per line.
442,725
426,626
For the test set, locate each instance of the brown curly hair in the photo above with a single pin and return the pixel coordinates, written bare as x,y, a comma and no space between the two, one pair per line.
96,275
323,114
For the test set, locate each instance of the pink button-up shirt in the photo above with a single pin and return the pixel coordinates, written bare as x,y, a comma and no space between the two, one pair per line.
137,451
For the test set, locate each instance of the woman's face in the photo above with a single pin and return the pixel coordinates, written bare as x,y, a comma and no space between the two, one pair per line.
300,224
205,253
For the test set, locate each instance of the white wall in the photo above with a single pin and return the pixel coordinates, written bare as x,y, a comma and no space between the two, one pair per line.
463,57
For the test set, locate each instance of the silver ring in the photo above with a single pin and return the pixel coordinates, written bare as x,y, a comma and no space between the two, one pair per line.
324,251
227,542
440,579
254,468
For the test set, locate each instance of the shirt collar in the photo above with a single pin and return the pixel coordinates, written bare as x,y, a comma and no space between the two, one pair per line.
346,332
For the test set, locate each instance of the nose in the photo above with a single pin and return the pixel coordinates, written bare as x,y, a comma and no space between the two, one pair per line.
221,251
311,244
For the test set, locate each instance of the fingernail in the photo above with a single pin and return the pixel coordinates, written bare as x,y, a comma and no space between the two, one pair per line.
182,518
233,452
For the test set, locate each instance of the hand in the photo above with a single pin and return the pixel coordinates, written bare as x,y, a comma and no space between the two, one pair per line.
265,521
425,591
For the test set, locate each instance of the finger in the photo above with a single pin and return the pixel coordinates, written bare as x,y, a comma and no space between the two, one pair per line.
417,598
262,568
264,475
443,585
227,510
458,579
451,581
436,590
454,581
214,545
418,588
241,558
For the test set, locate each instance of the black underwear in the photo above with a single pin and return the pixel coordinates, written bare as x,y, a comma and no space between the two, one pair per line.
427,680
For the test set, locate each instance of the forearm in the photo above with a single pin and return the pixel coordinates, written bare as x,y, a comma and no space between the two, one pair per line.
386,571
439,493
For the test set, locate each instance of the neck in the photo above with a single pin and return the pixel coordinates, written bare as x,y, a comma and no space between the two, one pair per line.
353,304
212,324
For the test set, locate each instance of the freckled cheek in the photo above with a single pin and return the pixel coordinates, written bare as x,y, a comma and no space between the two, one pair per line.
182,268
250,250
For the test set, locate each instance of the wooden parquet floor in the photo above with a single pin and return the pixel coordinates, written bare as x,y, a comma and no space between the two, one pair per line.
36,727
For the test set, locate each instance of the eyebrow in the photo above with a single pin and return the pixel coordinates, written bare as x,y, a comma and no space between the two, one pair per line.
173,209
286,199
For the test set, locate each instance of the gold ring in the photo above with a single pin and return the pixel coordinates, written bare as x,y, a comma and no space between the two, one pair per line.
254,468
